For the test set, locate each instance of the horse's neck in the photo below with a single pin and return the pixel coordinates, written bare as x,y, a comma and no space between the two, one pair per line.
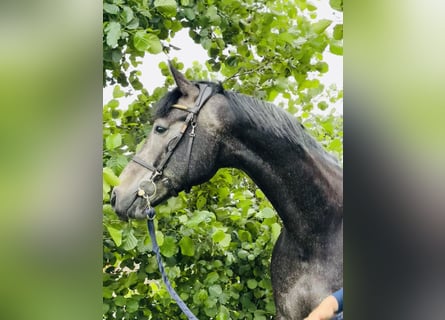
303,185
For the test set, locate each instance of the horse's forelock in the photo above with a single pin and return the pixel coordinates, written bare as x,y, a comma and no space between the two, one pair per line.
163,106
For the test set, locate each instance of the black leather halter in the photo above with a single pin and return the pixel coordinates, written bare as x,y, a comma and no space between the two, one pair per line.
205,92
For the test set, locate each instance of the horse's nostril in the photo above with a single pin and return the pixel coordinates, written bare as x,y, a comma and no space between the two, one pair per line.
113,198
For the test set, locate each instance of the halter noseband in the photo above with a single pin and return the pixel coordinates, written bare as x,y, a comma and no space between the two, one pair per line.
205,92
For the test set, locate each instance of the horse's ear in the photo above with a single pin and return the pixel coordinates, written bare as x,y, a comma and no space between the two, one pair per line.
186,87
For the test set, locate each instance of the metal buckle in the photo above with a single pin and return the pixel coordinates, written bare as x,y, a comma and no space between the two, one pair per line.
192,133
155,174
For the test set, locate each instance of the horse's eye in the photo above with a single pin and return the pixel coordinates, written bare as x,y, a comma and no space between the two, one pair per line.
160,130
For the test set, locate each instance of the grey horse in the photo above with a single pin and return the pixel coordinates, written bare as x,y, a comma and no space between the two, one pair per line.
195,133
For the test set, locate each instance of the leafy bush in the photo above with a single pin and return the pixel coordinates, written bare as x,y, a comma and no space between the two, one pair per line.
216,246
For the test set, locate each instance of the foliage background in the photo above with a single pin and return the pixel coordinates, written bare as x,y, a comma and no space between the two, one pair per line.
52,243
217,240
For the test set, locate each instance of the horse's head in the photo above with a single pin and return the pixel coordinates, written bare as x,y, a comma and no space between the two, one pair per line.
181,150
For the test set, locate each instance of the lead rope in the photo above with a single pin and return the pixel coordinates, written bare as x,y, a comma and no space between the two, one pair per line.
151,213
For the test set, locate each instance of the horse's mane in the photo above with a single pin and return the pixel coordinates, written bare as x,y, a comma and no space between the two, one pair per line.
257,113
269,118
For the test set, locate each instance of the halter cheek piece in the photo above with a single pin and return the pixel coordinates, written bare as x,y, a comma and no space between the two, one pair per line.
205,92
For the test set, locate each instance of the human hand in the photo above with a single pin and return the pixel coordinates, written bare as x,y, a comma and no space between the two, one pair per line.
325,310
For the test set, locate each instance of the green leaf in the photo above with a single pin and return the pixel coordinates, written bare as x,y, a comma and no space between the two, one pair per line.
129,240
266,213
311,7
159,237
113,104
242,254
223,314
259,194
206,43
215,290
322,67
117,92
127,14
336,47
308,84
105,190
169,247
322,105
276,230
107,292
119,301
166,7
218,236
107,209
338,32
187,247
200,296
252,283
289,38
226,241
175,204
232,61
335,145
212,277
154,287
113,32
212,14
133,24
245,236
105,307
116,55
200,203
321,25
110,177
118,163
336,5
132,305
143,41
199,217
116,235
189,14
328,126
259,315
113,141
211,310
272,94
110,8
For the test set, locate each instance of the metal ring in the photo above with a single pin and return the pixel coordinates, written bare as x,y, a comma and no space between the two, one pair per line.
142,193
155,189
